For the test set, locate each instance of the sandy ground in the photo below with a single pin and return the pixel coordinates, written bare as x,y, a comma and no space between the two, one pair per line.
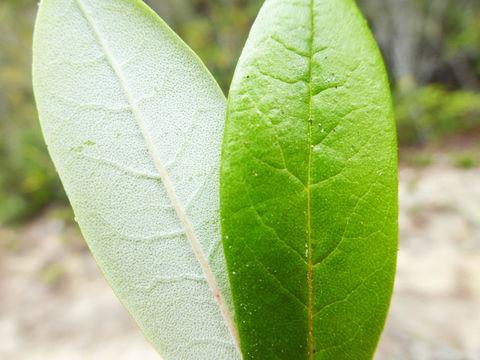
54,304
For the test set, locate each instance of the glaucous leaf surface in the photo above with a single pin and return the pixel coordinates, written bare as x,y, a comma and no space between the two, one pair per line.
308,185
134,124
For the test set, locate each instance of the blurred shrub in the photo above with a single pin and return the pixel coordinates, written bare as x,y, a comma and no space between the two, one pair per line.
27,178
431,113
466,160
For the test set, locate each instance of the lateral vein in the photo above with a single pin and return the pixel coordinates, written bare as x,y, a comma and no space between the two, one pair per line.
165,179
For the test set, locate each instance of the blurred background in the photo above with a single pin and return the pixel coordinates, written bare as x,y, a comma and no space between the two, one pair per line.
55,304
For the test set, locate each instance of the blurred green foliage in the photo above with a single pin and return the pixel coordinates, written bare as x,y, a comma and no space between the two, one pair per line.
428,114
28,180
466,159
432,51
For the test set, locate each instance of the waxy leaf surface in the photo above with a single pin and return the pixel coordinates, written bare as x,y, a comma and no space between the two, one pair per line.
134,124
308,185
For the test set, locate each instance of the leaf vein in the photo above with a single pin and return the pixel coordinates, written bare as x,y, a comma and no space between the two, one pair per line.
347,223
257,260
164,177
309,180
262,222
289,48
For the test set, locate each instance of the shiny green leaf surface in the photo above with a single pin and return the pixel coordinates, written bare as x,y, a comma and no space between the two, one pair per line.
134,124
308,185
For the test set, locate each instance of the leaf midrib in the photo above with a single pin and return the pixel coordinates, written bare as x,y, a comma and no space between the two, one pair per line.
165,179
310,145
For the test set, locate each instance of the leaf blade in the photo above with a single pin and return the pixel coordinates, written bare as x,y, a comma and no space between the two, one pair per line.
126,82
309,158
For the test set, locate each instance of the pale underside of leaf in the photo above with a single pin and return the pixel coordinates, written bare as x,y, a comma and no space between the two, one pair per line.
121,100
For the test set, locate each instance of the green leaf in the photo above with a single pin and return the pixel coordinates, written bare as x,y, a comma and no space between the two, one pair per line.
134,124
308,185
